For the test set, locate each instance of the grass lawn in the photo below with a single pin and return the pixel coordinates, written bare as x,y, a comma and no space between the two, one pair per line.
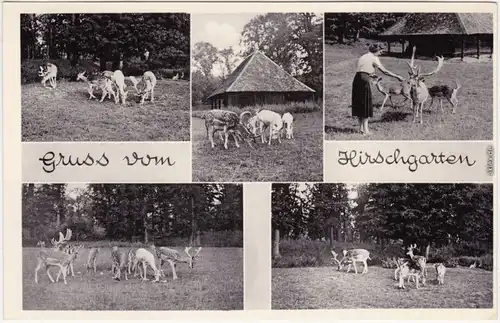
473,119
215,283
326,288
298,159
66,114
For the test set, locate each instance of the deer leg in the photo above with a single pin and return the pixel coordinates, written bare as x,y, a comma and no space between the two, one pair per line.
355,268
144,268
235,140
365,269
452,101
401,282
152,94
383,102
48,274
38,267
226,136
415,111
72,270
396,274
348,268
172,265
416,283
421,108
211,137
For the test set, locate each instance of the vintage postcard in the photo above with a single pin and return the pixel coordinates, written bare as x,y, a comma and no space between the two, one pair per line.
250,160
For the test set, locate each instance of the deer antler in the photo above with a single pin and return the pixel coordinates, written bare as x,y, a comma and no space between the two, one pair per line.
69,233
197,251
440,65
186,250
61,237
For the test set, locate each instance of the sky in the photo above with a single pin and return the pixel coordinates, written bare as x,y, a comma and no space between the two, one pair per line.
73,188
220,30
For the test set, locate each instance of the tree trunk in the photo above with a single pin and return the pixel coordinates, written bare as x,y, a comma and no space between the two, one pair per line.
276,249
193,224
145,234
102,62
427,250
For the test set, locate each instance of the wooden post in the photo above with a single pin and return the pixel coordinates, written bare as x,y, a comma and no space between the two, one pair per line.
276,249
389,47
478,43
463,48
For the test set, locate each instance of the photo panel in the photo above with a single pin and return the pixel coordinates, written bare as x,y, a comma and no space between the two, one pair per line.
409,75
132,247
257,97
382,246
105,77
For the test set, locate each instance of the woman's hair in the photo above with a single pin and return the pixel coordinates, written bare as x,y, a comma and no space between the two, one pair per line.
375,48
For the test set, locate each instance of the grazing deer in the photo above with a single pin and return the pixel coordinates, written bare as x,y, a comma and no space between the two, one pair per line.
48,73
407,271
356,255
440,272
272,120
230,124
147,85
146,258
120,263
420,261
173,257
100,83
176,77
403,89
418,90
40,244
442,92
118,80
55,258
92,258
288,125
334,258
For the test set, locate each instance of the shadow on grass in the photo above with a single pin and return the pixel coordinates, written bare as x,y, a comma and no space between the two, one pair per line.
392,116
335,130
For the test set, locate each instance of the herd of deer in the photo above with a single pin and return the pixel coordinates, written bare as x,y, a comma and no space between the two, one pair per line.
108,82
62,255
415,89
413,267
264,121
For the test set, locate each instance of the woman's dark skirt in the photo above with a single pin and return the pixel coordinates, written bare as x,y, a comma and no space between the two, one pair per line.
362,96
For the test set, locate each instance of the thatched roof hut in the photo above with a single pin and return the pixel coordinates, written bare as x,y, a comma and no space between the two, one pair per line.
442,32
258,81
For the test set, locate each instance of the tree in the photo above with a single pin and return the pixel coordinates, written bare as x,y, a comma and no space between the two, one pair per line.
204,57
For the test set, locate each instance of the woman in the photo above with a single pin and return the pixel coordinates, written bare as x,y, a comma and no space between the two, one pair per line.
361,91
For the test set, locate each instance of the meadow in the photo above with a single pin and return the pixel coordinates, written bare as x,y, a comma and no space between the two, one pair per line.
215,283
327,288
473,119
298,159
66,114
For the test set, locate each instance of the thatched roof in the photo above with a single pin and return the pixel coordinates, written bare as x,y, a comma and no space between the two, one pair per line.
441,24
258,73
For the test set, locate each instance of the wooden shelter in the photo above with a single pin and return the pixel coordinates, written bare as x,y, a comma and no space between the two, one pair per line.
259,81
442,33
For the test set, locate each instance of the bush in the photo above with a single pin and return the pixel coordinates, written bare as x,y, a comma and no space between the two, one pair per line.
134,67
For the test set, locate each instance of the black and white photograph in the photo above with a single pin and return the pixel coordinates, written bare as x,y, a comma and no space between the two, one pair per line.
127,247
105,77
409,76
257,97
374,246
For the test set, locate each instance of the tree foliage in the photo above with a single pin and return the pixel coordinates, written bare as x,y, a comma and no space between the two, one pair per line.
107,37
132,212
426,214
343,27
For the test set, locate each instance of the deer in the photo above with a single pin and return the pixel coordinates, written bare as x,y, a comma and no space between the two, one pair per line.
440,272
103,83
356,255
442,92
403,89
287,119
48,73
176,77
55,258
40,244
120,263
173,257
272,120
419,92
146,258
148,82
419,261
119,80
406,270
92,258
230,124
